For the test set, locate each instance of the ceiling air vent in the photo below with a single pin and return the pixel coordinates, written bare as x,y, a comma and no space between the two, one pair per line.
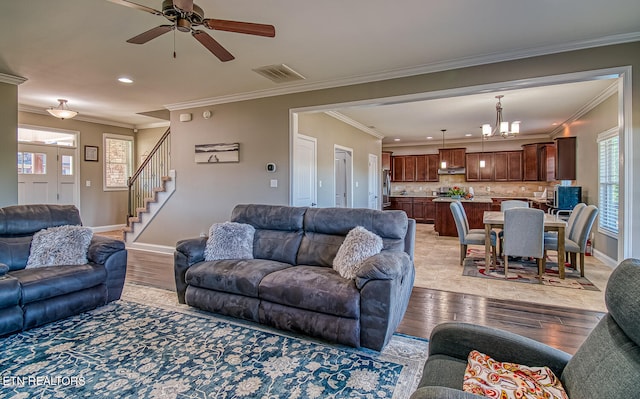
279,73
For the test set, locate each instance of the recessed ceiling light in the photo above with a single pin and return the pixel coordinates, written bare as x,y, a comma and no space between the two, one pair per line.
554,124
396,139
429,138
468,135
124,79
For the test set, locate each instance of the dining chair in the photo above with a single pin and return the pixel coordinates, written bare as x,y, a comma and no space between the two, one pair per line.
524,236
510,204
469,236
575,241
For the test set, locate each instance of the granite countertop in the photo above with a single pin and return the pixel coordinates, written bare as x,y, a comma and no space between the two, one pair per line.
474,199
423,194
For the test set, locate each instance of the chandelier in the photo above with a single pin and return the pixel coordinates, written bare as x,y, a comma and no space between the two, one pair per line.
62,111
501,127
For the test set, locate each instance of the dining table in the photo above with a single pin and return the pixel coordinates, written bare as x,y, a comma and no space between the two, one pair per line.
495,220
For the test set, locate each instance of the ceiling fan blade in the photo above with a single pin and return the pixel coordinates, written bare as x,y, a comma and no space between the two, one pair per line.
140,7
241,27
212,45
184,5
150,34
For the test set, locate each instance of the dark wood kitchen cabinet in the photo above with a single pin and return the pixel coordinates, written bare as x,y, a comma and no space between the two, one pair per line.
386,160
424,210
507,166
403,204
539,162
565,161
454,157
473,170
427,167
403,168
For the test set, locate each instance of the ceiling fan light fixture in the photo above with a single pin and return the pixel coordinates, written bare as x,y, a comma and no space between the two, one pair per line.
62,111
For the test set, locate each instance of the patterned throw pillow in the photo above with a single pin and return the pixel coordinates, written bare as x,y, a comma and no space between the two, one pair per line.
229,240
487,377
62,245
358,245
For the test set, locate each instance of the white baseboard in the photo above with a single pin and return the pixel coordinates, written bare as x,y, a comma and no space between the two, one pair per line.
162,249
605,259
102,229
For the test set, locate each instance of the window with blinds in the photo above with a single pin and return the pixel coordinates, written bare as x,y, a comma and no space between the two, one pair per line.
608,183
118,161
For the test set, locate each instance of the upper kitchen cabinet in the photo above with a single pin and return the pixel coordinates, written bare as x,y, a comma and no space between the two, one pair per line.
565,162
539,161
427,167
507,166
403,168
474,172
454,157
386,160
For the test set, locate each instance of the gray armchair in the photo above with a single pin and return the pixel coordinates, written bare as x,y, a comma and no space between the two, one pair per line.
607,365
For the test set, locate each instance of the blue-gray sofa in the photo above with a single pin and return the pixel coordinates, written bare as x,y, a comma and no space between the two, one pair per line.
291,285
30,297
607,364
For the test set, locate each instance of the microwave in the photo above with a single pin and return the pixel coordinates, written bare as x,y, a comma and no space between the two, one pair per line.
566,197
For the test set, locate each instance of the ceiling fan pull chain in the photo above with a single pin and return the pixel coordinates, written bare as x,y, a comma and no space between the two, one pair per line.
174,43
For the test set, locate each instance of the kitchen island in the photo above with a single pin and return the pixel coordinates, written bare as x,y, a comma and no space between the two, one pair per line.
474,208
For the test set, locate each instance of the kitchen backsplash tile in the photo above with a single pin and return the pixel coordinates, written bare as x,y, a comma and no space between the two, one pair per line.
494,189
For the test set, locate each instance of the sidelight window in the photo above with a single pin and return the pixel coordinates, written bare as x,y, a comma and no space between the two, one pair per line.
608,182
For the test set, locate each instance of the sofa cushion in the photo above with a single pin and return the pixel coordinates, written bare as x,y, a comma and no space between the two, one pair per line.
485,376
359,245
51,281
239,276
229,240
278,230
319,289
62,245
326,228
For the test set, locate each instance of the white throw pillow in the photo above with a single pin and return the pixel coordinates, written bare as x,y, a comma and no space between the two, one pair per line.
62,245
358,245
229,240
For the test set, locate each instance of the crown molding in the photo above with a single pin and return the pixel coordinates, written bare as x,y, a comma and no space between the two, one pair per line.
343,118
11,79
79,117
418,70
594,102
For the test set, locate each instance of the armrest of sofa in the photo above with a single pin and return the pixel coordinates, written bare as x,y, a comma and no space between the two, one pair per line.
192,249
457,339
101,248
112,254
3,269
187,253
387,265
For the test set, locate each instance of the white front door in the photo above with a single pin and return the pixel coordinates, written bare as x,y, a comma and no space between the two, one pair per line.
46,175
373,178
304,171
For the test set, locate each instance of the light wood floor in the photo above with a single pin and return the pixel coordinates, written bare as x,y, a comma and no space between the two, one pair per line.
561,327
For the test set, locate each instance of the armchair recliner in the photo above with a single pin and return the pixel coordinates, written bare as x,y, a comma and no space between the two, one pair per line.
607,364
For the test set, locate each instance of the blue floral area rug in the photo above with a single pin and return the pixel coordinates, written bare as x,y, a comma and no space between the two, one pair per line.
148,346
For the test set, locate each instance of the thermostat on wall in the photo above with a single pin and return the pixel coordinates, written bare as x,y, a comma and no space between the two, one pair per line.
271,167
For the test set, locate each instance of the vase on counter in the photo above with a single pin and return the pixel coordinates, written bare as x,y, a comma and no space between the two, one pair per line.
456,197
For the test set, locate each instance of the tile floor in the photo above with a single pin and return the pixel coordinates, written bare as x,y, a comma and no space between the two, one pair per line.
438,267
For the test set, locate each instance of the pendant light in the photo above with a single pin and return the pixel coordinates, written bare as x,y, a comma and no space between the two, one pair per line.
482,162
443,164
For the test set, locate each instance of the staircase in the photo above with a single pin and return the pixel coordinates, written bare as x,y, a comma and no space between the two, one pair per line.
149,188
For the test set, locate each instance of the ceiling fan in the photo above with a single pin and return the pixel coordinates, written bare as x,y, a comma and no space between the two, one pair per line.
186,16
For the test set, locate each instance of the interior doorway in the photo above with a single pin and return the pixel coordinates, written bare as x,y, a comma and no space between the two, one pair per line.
48,170
343,176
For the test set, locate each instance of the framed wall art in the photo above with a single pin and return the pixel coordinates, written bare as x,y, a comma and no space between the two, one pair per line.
91,153
217,153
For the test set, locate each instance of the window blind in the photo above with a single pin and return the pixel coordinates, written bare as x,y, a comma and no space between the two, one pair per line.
608,184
